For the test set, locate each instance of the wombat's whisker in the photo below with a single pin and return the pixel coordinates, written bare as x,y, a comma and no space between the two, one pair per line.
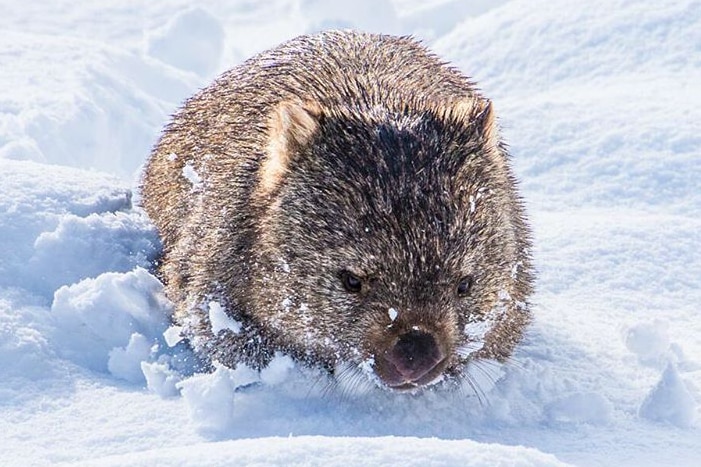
476,390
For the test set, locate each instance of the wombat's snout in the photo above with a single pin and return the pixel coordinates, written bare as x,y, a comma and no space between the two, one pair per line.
409,363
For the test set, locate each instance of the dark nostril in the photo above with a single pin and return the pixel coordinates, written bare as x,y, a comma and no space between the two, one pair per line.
415,354
414,345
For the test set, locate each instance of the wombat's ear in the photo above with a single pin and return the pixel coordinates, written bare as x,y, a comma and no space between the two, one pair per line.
486,120
295,122
480,116
291,126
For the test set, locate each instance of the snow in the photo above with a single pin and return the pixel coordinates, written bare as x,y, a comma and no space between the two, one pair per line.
670,401
96,316
302,451
600,105
219,320
192,40
192,176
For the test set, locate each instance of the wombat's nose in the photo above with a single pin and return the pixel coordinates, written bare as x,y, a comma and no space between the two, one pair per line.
414,355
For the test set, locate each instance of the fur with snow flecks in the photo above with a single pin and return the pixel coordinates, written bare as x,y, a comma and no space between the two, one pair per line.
334,154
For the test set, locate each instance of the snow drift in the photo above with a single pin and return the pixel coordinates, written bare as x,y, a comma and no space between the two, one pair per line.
600,105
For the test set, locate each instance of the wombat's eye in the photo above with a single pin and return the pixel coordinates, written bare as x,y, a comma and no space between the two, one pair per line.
351,282
464,286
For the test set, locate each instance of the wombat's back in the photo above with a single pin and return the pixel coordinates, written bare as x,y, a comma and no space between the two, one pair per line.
225,122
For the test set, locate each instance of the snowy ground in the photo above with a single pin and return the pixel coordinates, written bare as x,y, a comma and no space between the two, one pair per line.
601,105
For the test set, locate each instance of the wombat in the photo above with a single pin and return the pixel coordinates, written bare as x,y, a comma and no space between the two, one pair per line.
344,199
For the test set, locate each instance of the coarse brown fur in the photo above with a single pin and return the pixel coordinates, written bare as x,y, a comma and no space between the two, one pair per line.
354,209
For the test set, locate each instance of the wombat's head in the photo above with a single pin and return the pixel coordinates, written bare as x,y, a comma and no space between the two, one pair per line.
392,242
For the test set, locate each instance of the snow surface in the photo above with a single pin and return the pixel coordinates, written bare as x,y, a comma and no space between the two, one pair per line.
601,106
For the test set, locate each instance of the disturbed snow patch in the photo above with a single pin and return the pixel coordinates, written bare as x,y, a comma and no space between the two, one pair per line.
63,225
94,317
672,400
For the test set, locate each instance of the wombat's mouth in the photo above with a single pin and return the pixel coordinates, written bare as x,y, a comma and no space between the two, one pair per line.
401,383
430,378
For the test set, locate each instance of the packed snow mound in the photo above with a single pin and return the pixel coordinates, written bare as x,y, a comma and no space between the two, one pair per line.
301,451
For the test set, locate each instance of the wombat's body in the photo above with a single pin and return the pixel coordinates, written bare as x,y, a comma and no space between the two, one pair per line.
346,200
